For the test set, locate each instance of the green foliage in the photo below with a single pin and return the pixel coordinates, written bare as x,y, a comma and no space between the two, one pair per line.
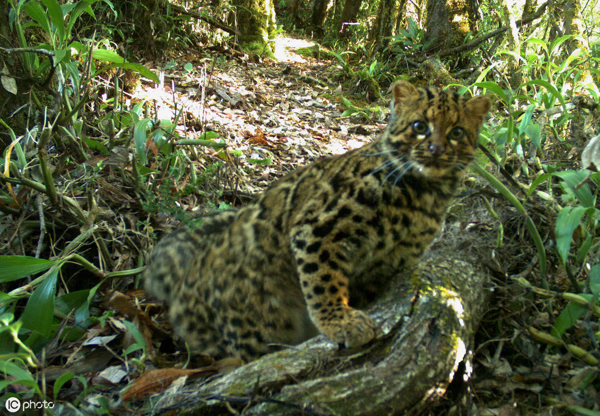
536,116
411,39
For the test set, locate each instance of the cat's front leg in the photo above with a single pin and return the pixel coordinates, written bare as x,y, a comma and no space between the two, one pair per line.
324,282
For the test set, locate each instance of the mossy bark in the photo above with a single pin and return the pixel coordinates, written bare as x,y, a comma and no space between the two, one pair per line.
255,20
448,23
427,319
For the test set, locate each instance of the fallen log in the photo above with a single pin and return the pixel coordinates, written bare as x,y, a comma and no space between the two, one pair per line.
428,320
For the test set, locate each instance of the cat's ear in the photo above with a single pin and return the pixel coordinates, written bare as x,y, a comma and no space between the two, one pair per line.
478,106
404,90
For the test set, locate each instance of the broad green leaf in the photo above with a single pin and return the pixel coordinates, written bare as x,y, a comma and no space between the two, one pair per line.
14,370
133,348
59,55
574,180
495,88
568,219
37,13
526,119
96,145
139,138
550,88
57,18
533,132
568,317
209,135
584,248
557,42
38,313
76,12
108,56
17,267
137,335
141,69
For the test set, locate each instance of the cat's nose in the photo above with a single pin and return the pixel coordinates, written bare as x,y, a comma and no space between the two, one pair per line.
436,150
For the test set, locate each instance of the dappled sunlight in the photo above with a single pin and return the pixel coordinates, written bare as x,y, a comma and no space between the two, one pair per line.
285,47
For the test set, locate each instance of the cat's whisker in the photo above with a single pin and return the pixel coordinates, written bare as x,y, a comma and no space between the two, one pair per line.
383,152
386,165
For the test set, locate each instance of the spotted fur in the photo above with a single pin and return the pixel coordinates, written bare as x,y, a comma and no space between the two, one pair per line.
323,240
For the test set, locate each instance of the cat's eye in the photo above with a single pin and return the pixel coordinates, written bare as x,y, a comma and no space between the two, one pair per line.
419,127
457,133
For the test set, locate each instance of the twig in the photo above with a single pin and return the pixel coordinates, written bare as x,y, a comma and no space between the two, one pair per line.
8,51
40,244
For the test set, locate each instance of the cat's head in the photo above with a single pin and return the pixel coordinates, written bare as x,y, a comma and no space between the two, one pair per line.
433,131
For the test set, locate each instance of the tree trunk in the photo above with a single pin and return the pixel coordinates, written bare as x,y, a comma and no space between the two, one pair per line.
349,13
448,23
384,23
427,319
255,20
319,12
514,43
572,14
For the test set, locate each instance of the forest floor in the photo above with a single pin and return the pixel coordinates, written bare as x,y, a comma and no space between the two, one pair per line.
274,116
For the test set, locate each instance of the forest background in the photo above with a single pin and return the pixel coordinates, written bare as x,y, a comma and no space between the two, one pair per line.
121,119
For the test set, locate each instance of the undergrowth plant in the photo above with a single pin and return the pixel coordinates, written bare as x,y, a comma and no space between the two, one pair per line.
536,117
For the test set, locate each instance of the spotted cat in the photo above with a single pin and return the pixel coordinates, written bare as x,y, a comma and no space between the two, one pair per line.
323,240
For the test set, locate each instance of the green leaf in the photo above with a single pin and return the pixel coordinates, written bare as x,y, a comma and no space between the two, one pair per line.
37,13
550,88
141,69
573,179
139,138
209,135
17,267
526,119
533,132
38,313
96,145
108,56
57,18
568,317
568,219
137,335
15,371
60,382
495,88
265,162
76,12
133,348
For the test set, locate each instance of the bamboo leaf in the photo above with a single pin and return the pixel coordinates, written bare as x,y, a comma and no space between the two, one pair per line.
17,267
38,313
568,219
139,138
56,17
37,13
567,318
574,181
495,88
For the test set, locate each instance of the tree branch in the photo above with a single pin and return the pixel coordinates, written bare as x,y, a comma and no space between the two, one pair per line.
208,20
471,45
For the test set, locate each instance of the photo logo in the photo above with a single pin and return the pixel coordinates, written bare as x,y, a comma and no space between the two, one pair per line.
12,404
